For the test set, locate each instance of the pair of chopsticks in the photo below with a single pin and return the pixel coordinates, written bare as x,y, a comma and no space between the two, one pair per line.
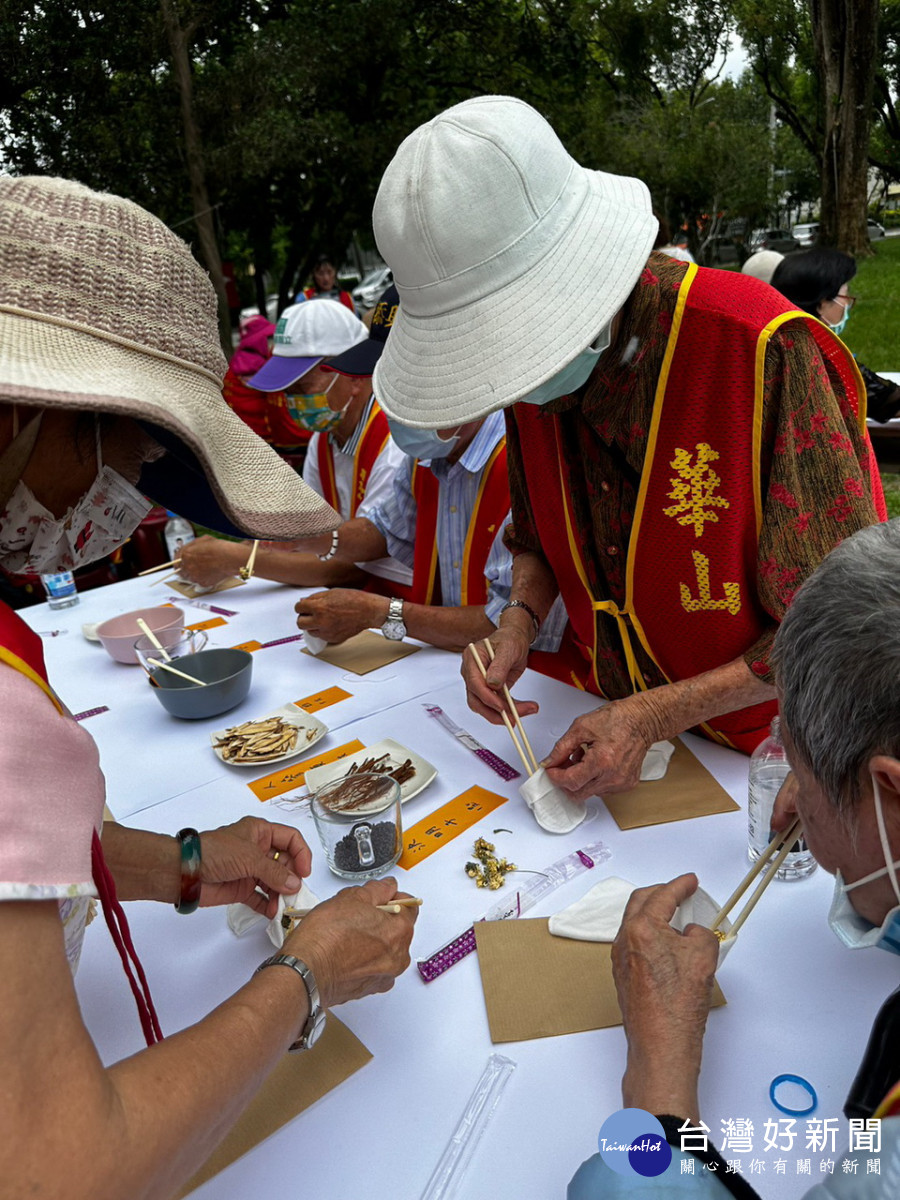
246,571
780,846
167,665
173,562
529,759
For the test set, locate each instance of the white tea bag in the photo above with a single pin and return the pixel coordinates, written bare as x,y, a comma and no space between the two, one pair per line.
241,918
315,645
553,808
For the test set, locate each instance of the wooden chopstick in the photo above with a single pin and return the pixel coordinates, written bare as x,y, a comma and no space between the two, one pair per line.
396,905
514,711
780,846
153,639
529,769
247,571
173,562
155,662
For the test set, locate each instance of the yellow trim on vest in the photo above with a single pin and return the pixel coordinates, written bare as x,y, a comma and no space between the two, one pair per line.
655,421
19,664
759,386
355,499
884,1108
432,566
473,520
576,553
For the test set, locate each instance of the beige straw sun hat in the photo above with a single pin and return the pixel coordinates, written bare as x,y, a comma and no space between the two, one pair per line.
102,308
509,258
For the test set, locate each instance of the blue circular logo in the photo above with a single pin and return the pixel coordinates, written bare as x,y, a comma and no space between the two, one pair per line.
632,1142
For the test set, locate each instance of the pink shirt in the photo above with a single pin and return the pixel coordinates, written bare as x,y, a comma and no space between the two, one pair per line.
51,800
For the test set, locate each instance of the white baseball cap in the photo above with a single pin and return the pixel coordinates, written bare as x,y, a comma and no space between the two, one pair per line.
304,335
509,258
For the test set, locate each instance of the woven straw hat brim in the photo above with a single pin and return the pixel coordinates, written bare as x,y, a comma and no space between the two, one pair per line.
441,371
52,364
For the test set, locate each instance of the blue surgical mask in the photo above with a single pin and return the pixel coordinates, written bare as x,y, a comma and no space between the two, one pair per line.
854,930
572,376
839,328
422,443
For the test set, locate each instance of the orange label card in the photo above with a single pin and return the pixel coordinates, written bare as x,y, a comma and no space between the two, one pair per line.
293,776
446,823
249,646
210,624
331,695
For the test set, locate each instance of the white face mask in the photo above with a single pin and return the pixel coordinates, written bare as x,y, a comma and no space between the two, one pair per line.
33,541
572,376
854,930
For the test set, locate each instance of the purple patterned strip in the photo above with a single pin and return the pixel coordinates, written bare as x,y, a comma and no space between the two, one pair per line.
588,862
431,968
223,612
297,637
91,712
496,763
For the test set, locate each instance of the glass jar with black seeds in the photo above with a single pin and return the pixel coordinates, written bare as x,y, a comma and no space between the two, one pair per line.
357,819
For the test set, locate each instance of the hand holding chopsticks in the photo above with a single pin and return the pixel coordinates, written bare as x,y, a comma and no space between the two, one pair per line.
529,760
780,846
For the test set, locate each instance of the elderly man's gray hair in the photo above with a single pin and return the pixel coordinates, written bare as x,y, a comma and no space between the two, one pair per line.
837,659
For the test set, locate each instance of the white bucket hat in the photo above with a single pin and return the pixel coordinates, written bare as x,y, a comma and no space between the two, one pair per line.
104,309
305,334
509,258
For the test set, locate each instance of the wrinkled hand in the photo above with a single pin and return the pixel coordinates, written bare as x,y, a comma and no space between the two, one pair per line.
340,613
208,560
603,750
485,696
238,859
664,980
353,949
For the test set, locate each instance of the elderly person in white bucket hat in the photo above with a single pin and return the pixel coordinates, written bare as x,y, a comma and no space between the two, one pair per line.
683,446
110,377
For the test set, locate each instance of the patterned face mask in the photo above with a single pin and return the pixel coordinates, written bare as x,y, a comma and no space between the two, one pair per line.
312,411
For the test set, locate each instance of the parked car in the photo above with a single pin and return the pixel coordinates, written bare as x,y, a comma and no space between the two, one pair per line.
875,230
806,235
781,240
366,293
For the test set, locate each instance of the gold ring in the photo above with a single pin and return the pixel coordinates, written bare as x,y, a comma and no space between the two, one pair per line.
276,856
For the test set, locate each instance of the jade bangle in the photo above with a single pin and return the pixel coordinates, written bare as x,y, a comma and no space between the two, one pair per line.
191,859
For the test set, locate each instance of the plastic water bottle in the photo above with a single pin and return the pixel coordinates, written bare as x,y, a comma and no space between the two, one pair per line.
178,533
769,768
60,589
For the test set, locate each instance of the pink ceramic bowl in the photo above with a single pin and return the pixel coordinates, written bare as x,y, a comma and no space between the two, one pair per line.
119,634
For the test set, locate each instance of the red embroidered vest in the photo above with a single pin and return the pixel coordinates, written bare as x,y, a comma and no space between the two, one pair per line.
371,443
487,516
691,596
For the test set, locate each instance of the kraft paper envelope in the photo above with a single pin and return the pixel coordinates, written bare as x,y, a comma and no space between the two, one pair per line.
192,591
364,653
537,985
296,1083
687,790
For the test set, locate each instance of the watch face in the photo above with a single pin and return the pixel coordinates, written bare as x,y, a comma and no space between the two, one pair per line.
394,631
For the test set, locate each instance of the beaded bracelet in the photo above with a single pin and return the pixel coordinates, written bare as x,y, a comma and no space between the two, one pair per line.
189,845
335,534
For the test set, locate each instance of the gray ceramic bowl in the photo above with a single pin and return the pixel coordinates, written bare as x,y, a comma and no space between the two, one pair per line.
226,675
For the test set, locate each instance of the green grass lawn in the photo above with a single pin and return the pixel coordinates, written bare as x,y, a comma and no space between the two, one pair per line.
873,331
891,482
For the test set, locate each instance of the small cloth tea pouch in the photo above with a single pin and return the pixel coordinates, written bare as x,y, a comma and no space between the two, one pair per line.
315,645
554,810
656,761
596,917
241,918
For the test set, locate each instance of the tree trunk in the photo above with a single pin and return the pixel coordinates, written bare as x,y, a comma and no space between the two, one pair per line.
179,39
845,33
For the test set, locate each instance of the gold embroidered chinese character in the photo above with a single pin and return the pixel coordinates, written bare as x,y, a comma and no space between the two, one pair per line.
731,601
693,490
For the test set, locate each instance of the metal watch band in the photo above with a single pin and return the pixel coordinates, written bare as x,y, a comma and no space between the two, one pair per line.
395,610
527,607
315,1022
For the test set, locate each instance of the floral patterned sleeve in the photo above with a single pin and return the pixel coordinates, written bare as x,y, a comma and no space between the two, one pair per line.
815,474
520,534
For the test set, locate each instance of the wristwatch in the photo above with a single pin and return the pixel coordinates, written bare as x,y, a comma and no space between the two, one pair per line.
393,628
315,1022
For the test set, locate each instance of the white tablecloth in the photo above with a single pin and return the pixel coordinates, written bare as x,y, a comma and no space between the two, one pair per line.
797,1001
